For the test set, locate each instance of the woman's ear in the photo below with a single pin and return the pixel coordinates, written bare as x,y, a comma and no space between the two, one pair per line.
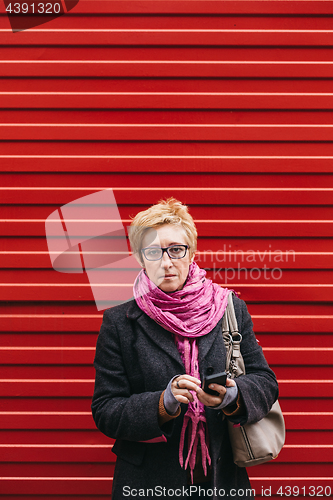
192,258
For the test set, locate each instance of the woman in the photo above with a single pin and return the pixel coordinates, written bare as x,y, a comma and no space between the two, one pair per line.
152,356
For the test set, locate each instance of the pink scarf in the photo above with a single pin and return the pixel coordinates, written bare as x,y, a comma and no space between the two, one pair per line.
189,313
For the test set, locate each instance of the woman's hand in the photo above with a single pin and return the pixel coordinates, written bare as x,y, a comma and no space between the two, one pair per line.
182,385
208,399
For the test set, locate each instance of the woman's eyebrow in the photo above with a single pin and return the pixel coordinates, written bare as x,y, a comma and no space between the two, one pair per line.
170,244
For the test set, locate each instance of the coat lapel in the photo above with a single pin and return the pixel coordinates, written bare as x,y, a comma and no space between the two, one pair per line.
161,337
164,339
206,342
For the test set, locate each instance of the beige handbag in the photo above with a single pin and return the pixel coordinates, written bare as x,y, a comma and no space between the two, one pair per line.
257,443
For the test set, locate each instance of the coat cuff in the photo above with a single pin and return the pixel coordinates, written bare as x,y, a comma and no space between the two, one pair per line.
171,404
229,399
163,415
235,409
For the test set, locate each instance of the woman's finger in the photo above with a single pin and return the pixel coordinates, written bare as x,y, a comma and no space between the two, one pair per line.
180,383
182,399
208,399
218,388
185,384
196,380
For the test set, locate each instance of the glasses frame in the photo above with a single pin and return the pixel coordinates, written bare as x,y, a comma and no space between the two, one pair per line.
165,249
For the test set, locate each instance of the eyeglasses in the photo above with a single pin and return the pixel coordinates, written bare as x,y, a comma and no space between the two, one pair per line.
156,253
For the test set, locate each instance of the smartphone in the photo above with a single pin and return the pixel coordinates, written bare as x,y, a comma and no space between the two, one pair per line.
216,378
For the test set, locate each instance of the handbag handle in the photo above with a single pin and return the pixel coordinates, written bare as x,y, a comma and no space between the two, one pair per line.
232,340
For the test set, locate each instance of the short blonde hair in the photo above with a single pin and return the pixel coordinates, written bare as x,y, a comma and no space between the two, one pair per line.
169,211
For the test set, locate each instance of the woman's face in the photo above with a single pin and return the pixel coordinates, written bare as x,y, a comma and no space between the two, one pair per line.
168,274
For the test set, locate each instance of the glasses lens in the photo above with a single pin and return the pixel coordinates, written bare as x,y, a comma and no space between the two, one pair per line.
153,253
174,252
177,251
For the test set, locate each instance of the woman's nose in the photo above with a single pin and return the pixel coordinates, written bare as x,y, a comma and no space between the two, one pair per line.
165,260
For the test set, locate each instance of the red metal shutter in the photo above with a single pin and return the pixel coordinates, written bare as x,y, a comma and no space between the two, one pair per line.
225,105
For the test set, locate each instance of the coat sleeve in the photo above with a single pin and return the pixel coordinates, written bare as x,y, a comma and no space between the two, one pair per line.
258,388
117,412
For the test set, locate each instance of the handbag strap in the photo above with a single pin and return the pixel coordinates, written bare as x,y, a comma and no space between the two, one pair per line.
232,340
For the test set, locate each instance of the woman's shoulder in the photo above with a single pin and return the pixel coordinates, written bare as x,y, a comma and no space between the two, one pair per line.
239,304
116,320
242,314
122,312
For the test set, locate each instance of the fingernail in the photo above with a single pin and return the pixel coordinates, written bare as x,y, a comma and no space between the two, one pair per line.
211,386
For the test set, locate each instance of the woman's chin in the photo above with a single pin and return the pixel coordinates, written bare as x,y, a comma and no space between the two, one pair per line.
168,286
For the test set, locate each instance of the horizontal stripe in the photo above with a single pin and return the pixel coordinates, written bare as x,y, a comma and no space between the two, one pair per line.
289,349
292,478
166,69
134,61
305,446
80,478
55,446
147,188
255,285
236,253
75,284
173,37
51,381
92,349
107,446
44,478
45,413
192,94
163,165
168,132
172,30
255,316
167,125
49,316
171,157
58,349
221,221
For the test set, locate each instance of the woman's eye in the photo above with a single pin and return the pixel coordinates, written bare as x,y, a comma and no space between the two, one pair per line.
176,250
152,253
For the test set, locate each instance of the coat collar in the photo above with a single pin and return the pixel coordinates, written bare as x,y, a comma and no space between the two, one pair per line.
133,310
164,339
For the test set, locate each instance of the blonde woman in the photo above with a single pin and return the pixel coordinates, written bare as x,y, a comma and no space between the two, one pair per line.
152,356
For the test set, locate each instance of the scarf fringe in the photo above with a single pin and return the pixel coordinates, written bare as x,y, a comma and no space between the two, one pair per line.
194,419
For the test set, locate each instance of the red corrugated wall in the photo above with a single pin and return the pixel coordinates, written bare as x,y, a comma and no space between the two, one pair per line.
224,105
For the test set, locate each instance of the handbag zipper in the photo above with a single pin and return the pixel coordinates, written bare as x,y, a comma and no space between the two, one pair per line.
248,446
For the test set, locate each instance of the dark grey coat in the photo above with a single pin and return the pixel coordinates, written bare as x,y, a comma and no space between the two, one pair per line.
135,359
